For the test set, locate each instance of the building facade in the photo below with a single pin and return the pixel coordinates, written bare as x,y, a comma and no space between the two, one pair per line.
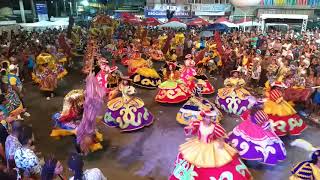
208,9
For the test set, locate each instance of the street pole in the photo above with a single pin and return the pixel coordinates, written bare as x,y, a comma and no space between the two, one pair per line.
23,17
56,7
33,9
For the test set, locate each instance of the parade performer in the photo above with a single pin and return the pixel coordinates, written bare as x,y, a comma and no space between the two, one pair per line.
233,98
136,62
14,104
127,112
90,53
307,169
188,71
146,77
172,90
192,108
47,73
155,53
283,117
255,140
207,156
106,76
207,88
68,121
87,135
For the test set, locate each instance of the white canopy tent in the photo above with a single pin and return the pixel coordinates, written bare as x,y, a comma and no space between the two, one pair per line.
173,24
249,24
45,24
230,24
303,18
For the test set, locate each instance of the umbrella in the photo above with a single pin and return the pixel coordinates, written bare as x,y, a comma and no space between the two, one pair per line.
198,22
206,34
230,24
151,22
132,20
249,24
221,19
173,24
218,27
175,19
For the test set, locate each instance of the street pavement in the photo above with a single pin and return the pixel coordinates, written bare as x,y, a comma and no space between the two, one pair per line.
148,153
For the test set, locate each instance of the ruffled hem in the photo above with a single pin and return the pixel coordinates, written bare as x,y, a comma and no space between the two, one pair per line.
287,125
207,154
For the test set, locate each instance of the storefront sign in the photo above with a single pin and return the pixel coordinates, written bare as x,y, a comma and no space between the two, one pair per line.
163,13
42,11
211,7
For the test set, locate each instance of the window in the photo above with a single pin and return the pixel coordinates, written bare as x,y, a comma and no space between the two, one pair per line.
196,1
168,1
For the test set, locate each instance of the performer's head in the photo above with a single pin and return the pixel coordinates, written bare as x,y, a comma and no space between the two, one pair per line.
75,163
258,116
208,116
234,73
51,168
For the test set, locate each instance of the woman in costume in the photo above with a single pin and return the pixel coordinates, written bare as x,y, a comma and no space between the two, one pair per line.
234,98
146,77
14,104
192,108
207,156
172,90
68,121
255,140
207,87
47,74
107,77
306,170
127,112
188,71
136,62
283,117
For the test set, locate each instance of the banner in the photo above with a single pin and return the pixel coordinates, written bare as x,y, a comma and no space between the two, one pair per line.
211,7
42,11
312,3
163,13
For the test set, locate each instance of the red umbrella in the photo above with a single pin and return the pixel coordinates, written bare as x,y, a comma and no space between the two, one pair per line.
126,15
198,22
221,19
151,22
175,19
132,20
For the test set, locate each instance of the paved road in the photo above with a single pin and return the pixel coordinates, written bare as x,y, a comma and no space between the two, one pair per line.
146,154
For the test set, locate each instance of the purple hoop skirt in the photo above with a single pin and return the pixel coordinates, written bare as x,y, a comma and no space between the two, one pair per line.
257,143
233,104
128,116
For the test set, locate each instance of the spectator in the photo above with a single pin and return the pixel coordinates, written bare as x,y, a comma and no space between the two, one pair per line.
12,143
75,164
25,158
52,169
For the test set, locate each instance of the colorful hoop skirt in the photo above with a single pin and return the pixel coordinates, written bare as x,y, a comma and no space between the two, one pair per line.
128,116
172,92
69,129
234,102
254,142
207,88
146,78
225,163
191,110
283,118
